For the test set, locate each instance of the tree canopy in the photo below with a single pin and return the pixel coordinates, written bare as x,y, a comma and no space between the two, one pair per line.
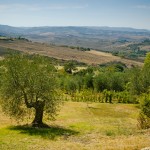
29,82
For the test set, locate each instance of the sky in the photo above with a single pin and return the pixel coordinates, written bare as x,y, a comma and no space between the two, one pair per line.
112,13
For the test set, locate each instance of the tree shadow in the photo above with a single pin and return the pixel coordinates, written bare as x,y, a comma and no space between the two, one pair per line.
52,132
90,107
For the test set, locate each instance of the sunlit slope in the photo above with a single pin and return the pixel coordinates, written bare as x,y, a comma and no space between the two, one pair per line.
66,53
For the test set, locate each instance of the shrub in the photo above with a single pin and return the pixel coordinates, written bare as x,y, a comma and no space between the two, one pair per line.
144,116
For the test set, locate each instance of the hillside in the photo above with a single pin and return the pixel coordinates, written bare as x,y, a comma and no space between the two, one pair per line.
101,38
61,52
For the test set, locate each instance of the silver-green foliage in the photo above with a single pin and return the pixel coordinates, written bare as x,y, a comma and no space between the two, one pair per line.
28,82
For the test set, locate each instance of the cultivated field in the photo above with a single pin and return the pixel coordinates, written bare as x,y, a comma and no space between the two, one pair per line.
92,57
79,126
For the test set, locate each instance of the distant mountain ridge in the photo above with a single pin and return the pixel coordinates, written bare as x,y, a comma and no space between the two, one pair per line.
93,37
127,29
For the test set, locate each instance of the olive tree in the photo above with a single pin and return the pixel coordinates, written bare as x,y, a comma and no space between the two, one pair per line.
29,82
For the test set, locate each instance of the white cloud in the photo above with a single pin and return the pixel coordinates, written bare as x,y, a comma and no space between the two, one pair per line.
60,7
38,7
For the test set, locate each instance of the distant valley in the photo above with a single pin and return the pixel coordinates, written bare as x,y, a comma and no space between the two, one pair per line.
93,37
126,43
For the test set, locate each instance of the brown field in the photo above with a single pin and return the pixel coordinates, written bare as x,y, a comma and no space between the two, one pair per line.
147,48
91,57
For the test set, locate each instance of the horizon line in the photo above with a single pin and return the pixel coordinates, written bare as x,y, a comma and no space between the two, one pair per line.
96,26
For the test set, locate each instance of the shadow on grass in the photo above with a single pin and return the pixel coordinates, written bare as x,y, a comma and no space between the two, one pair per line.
52,132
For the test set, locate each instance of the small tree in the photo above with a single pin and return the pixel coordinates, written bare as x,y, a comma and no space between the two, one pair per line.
88,81
144,116
29,82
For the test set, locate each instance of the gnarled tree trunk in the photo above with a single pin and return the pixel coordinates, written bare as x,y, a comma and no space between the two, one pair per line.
39,108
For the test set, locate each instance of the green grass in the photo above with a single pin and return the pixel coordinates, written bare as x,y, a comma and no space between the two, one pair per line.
79,126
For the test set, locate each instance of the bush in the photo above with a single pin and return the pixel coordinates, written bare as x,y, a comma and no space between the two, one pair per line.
143,121
144,116
101,82
145,105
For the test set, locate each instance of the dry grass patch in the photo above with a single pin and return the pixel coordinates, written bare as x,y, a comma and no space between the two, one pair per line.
107,57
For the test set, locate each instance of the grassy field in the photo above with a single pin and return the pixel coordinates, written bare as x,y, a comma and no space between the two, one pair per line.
66,53
79,126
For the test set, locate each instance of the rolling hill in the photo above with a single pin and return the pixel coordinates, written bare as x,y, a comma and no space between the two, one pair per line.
56,42
61,52
100,38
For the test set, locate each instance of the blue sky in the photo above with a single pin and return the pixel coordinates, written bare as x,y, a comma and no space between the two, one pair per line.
113,13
